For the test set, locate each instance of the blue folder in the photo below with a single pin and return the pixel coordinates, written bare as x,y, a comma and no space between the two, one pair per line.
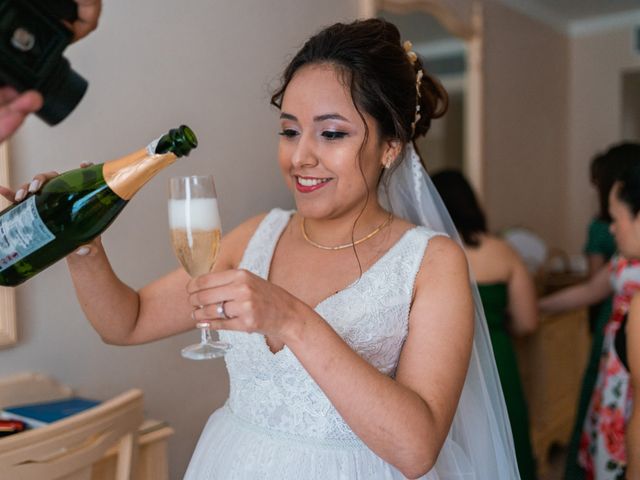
39,414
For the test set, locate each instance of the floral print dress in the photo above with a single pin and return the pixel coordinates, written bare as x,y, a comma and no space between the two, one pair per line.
602,444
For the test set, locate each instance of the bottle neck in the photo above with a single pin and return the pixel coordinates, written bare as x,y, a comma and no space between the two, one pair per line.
126,175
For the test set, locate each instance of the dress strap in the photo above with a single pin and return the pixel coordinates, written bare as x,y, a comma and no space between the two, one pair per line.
259,252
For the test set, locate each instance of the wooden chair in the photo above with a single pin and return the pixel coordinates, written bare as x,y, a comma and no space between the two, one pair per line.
30,387
67,449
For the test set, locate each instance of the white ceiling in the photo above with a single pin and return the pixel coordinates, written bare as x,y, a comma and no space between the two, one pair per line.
572,10
570,16
419,27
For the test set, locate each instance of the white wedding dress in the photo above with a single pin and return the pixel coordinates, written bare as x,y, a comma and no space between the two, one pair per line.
277,423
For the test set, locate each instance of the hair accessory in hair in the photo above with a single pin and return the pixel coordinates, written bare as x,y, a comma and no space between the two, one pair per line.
413,58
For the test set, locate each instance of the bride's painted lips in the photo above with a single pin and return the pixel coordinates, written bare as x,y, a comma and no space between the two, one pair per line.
310,184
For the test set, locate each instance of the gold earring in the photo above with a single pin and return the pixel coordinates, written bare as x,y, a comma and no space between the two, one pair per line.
389,162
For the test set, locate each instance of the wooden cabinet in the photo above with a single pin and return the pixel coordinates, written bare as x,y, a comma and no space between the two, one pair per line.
552,362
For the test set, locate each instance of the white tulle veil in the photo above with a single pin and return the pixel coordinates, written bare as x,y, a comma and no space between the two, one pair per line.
480,426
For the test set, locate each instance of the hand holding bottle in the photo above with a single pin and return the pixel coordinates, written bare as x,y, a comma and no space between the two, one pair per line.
75,207
36,184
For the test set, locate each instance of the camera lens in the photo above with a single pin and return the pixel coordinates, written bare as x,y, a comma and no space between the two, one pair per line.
62,92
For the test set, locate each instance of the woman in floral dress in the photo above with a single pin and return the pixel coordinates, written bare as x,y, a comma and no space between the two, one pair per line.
602,446
602,453
599,249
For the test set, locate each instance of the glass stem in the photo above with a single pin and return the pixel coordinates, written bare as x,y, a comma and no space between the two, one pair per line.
205,334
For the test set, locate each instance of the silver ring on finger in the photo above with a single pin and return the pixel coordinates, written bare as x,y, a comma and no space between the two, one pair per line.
221,311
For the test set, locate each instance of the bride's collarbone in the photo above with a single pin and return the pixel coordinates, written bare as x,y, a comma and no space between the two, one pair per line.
313,261
313,274
297,251
314,277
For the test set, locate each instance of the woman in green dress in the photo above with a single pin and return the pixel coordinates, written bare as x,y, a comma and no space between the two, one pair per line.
508,297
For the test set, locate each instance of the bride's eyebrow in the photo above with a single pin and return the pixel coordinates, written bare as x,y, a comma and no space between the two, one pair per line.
319,118
329,116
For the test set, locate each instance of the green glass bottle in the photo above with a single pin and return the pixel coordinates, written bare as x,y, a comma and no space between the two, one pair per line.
75,207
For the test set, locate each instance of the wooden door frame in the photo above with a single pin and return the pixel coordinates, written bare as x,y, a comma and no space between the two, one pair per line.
471,33
8,324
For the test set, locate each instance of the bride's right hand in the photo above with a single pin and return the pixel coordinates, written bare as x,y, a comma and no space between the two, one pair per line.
36,183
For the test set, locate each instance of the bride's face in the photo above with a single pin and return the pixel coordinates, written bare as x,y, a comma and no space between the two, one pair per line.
321,137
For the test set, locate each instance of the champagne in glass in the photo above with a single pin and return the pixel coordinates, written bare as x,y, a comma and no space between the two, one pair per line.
195,234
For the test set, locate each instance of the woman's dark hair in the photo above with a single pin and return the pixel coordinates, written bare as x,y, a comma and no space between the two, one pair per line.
462,204
382,80
609,167
629,191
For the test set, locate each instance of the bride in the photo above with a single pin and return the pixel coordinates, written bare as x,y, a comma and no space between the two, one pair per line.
359,346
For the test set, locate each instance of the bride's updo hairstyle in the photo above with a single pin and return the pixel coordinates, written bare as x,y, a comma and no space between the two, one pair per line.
381,73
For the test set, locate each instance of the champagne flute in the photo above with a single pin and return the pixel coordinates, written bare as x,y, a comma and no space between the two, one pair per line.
195,234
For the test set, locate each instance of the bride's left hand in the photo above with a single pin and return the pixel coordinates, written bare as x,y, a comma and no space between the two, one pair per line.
251,303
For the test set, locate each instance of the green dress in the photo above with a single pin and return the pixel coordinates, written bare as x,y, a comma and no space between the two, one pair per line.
601,242
494,301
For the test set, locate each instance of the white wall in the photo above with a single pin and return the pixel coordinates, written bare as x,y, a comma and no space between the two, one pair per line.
153,65
631,105
525,122
595,115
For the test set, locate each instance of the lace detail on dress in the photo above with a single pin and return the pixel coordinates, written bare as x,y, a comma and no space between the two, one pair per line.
273,391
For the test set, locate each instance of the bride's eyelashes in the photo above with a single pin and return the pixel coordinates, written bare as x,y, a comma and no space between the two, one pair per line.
334,135
288,133
327,134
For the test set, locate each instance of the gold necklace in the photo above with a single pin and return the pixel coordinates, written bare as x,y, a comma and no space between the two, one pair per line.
345,245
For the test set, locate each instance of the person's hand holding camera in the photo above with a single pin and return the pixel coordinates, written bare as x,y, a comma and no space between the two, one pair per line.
88,14
16,106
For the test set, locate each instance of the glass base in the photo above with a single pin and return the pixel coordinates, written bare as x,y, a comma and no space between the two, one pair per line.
205,351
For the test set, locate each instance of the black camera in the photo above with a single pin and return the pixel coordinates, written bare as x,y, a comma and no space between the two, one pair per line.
32,39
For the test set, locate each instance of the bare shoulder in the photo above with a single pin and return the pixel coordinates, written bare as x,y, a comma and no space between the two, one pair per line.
442,255
634,308
443,245
442,286
633,319
633,337
235,242
500,251
499,246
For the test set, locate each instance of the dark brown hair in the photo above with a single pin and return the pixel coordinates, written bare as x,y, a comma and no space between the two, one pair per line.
382,80
609,167
462,204
629,190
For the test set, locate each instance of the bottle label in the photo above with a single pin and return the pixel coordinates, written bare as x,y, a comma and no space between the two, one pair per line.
22,232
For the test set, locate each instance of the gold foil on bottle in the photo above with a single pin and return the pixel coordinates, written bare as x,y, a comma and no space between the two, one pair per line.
127,175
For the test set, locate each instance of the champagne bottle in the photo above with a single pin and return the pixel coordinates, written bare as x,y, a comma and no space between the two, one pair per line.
75,207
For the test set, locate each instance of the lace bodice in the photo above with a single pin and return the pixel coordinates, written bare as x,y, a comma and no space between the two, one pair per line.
274,391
